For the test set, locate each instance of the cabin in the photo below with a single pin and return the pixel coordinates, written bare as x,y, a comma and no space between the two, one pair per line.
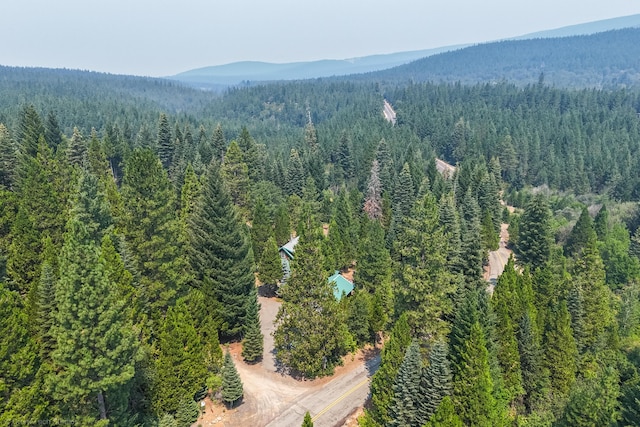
341,285
286,255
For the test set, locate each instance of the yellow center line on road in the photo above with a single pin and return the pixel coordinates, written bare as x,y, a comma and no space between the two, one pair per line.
339,399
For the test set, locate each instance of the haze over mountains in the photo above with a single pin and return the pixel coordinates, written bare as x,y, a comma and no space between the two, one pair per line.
252,71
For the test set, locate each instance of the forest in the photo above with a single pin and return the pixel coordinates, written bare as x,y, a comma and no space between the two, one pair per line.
136,215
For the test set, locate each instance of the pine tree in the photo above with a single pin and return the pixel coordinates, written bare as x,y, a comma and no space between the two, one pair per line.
374,273
311,334
218,144
435,383
77,149
307,422
179,365
30,130
253,342
424,285
472,254
390,360
187,412
594,401
343,232
404,406
152,232
294,179
164,142
344,157
261,227
220,254
531,362
403,194
534,240
235,173
52,133
472,384
270,271
95,344
581,233
8,158
446,415
250,155
232,389
560,352
601,223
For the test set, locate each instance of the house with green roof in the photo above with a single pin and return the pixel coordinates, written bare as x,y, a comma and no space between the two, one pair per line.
341,285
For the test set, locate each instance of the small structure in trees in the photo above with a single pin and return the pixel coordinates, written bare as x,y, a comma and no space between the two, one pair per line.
286,255
341,285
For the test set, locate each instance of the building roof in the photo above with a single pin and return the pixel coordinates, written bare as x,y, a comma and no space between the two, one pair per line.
342,286
289,247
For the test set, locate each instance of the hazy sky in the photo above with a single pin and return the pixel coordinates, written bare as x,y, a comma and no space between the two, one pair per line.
162,37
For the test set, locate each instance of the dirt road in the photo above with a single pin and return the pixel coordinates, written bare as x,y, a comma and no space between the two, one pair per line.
273,399
498,259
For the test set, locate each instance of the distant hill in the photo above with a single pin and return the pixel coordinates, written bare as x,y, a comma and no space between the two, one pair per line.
217,77
603,60
238,72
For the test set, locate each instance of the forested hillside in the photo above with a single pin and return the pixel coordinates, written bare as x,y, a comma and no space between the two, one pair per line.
603,60
136,214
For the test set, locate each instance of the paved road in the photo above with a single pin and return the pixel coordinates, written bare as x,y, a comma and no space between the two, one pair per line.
389,114
334,402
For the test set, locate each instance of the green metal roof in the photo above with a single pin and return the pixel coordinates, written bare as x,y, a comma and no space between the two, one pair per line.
341,286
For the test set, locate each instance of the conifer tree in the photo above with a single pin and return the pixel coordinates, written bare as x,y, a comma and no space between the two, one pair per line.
424,285
307,422
531,362
180,367
164,142
261,227
232,389
435,383
594,401
30,130
152,232
343,232
581,233
294,179
446,415
374,273
560,352
270,271
250,155
218,144
235,173
187,412
77,149
390,360
404,406
220,254
472,254
311,334
8,158
534,240
403,194
95,343
344,157
52,133
472,384
253,342
601,223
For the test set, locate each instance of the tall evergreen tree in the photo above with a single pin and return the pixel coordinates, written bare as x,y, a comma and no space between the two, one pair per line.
250,155
220,254
52,133
435,383
270,271
373,200
165,142
218,144
560,352
261,227
390,360
424,286
152,232
253,342
232,389
95,346
446,415
404,406
311,335
77,149
8,158
581,233
30,130
236,176
179,365
534,239
473,386
294,179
